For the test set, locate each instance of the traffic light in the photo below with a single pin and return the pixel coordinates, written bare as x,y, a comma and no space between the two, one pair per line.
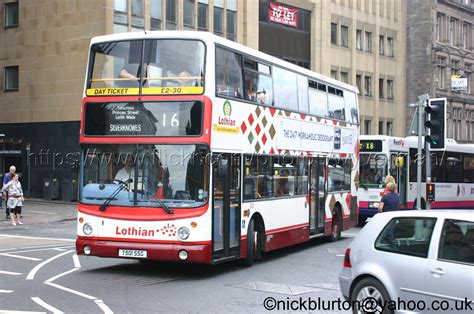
436,123
430,192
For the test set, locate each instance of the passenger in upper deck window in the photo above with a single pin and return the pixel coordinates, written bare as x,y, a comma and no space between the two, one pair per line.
185,79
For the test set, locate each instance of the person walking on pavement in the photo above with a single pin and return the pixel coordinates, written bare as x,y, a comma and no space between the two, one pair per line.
6,178
15,198
391,200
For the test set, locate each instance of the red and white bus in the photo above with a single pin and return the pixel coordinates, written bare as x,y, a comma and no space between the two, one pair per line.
195,148
452,172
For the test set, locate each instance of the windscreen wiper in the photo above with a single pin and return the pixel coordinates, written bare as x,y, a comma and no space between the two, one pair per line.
162,204
123,184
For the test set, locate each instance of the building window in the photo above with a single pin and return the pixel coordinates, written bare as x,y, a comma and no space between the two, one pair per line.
333,33
188,15
381,88
334,74
368,41
381,127
231,19
368,127
11,78
359,83
344,36
11,14
389,128
441,72
345,77
390,89
382,45
359,39
137,15
390,47
170,14
466,35
219,17
454,67
156,15
368,85
439,20
451,31
202,15
120,15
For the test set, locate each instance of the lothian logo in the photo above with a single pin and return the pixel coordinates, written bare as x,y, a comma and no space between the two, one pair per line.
227,110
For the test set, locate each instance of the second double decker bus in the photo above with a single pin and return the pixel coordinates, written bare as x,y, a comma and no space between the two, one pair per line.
195,148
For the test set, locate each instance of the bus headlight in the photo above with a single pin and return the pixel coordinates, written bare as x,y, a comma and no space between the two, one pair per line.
183,233
87,229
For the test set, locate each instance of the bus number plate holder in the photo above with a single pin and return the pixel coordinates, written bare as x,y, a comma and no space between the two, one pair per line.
132,253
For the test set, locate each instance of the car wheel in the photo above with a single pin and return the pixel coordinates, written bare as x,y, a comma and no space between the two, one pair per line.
369,296
336,226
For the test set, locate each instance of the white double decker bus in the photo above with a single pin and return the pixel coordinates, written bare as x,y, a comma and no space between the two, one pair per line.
229,152
452,172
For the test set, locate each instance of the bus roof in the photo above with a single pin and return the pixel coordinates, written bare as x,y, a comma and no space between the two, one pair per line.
210,37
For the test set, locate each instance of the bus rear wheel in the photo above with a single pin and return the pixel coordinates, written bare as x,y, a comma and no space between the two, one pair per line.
336,226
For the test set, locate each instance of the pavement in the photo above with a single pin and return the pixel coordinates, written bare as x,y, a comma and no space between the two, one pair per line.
38,211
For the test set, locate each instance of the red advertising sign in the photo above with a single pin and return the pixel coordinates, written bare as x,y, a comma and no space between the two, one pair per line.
283,15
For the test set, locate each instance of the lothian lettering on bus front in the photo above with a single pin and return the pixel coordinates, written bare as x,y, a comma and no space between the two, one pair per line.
132,231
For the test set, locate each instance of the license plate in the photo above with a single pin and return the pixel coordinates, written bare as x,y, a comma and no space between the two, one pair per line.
132,253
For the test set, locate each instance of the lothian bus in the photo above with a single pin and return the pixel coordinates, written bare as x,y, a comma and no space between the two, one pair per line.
195,148
452,172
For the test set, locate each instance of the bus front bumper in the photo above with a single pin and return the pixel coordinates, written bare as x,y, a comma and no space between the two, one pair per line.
196,253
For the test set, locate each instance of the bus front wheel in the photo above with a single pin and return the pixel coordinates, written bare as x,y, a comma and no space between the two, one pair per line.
253,249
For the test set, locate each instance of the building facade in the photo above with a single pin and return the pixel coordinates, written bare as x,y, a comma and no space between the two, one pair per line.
44,47
440,60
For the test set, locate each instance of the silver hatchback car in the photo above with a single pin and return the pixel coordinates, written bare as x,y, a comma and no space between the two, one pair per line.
412,261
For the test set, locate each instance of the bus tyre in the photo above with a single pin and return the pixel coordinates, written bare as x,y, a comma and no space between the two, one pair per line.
336,226
373,290
423,203
252,245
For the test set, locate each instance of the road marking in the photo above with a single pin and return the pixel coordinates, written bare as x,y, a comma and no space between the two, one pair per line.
77,263
22,257
60,275
19,312
46,305
9,273
4,250
77,266
32,273
103,307
340,255
59,249
36,238
37,250
40,212
41,246
6,291
349,235
71,291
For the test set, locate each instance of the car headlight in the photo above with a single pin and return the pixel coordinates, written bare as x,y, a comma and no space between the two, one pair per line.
183,233
87,229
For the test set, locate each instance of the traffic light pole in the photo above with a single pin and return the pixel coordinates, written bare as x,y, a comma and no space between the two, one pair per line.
428,170
419,159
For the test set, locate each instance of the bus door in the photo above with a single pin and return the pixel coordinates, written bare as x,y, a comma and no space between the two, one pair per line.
317,195
398,170
226,206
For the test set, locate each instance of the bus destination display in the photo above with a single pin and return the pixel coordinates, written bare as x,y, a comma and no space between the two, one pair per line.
143,119
370,146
